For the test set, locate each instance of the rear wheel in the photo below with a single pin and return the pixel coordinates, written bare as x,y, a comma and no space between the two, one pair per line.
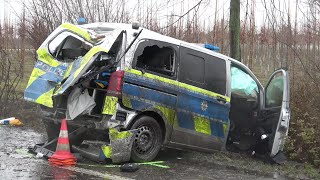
147,142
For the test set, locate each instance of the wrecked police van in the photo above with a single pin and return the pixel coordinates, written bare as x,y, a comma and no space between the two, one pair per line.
158,91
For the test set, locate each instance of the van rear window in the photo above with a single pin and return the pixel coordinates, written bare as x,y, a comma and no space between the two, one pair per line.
193,68
215,75
202,70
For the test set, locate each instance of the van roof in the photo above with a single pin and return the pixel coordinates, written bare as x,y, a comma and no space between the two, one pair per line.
104,26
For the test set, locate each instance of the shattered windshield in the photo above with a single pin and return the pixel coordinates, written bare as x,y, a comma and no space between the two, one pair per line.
242,83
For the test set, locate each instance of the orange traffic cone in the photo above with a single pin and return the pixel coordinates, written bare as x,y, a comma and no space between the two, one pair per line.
63,156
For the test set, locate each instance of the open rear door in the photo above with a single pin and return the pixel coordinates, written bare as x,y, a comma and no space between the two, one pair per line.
277,107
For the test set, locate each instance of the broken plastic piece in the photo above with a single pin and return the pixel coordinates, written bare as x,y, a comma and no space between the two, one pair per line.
11,121
264,136
101,84
107,151
39,155
16,122
129,167
120,145
115,135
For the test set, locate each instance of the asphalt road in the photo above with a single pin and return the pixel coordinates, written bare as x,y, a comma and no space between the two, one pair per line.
17,163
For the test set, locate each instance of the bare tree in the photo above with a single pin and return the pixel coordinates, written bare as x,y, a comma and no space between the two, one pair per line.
234,28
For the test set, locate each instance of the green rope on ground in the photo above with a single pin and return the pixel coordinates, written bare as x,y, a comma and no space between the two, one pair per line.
154,163
23,152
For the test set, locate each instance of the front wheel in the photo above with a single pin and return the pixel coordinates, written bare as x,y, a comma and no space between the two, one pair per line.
147,141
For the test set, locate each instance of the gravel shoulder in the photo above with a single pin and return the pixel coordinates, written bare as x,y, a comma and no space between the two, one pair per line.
17,163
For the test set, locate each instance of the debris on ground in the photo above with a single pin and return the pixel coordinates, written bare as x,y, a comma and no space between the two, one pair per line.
23,152
129,167
11,121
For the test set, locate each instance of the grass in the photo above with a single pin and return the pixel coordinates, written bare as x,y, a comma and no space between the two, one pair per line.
28,67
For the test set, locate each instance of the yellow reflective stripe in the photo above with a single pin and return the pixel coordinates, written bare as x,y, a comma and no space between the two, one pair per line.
67,73
110,105
177,83
169,114
175,122
152,76
36,73
202,125
107,151
126,101
58,88
45,56
116,135
46,99
80,31
203,91
225,128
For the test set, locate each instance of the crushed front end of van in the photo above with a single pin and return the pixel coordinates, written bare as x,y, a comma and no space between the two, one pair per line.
77,76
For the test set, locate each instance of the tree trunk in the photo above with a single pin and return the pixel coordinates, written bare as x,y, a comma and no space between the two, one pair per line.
234,28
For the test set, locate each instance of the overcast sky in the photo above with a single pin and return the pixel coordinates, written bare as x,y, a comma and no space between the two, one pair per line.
8,8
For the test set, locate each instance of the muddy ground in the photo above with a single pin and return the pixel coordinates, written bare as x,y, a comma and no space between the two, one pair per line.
17,163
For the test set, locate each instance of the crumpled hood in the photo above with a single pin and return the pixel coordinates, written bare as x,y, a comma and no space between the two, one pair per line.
53,77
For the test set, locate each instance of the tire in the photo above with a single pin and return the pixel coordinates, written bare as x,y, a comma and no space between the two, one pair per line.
147,142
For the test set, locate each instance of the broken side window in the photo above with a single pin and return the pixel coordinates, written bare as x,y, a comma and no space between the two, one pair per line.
156,58
67,47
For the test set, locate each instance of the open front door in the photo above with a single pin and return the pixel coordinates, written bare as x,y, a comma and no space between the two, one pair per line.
277,109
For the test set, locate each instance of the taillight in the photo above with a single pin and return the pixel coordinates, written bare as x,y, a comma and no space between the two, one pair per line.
115,84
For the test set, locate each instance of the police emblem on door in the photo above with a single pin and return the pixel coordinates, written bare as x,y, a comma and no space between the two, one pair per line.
204,105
